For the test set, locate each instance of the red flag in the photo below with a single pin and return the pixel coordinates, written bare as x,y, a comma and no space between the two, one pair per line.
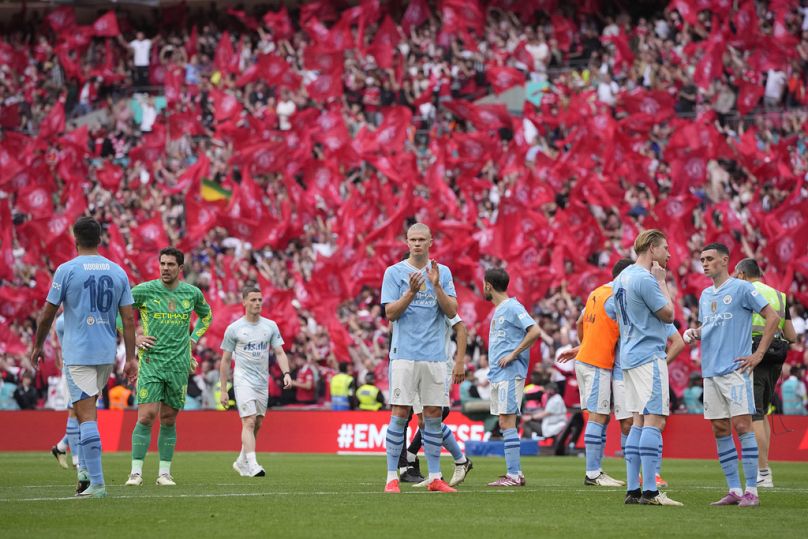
245,19
54,122
749,95
687,9
459,15
149,236
225,105
226,59
110,176
61,18
115,249
416,14
279,23
9,166
7,242
711,65
35,200
106,25
503,78
384,43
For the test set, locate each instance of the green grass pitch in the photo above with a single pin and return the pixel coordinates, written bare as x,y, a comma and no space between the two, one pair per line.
341,496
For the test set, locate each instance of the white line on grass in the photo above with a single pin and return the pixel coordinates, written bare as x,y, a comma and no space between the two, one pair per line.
248,494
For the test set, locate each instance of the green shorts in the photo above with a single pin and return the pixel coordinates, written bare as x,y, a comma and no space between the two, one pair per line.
168,387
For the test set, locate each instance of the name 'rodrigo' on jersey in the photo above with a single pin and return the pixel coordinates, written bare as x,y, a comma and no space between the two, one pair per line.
166,315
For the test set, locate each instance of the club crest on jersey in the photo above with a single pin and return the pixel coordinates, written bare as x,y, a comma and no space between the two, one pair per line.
714,306
423,287
186,304
727,299
172,306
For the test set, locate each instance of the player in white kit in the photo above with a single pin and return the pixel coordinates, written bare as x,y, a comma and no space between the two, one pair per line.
247,342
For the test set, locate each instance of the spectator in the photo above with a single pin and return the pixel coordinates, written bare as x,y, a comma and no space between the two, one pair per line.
141,57
694,395
792,390
550,420
25,395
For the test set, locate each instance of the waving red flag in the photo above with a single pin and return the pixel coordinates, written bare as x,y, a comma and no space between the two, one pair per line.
35,200
106,25
61,18
503,78
54,122
226,59
416,14
6,242
149,236
110,176
279,23
748,96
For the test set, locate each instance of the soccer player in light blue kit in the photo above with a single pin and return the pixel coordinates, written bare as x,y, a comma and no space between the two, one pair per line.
513,331
71,438
727,361
417,294
92,290
643,306
248,341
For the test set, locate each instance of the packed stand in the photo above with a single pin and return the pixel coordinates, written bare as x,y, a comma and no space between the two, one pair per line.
290,149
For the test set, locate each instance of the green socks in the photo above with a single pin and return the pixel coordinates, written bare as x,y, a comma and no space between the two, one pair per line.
166,442
141,438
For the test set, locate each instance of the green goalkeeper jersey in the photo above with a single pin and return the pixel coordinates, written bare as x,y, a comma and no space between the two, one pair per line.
166,315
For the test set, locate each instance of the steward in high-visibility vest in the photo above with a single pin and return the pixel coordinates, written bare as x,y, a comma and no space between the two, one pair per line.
369,396
342,389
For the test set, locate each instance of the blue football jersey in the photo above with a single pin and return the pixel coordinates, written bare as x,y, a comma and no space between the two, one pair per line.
725,314
636,297
508,326
91,289
420,333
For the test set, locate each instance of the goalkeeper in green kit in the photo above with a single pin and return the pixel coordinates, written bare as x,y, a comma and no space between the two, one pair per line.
164,350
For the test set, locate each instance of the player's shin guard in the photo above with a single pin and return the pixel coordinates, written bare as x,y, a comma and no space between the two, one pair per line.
166,441
728,458
650,440
632,452
73,436
512,446
432,445
91,451
593,441
450,443
749,459
396,432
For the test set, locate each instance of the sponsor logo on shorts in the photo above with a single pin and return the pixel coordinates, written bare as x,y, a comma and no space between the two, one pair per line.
143,393
604,404
727,299
396,392
90,320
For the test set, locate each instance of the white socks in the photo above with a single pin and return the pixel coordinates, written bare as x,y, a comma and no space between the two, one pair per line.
165,467
137,467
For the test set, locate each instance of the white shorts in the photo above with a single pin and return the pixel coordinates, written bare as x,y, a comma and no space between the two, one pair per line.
85,381
647,390
418,382
728,396
506,397
594,385
621,410
250,402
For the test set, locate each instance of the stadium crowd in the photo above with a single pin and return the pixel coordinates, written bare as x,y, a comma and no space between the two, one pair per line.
290,149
